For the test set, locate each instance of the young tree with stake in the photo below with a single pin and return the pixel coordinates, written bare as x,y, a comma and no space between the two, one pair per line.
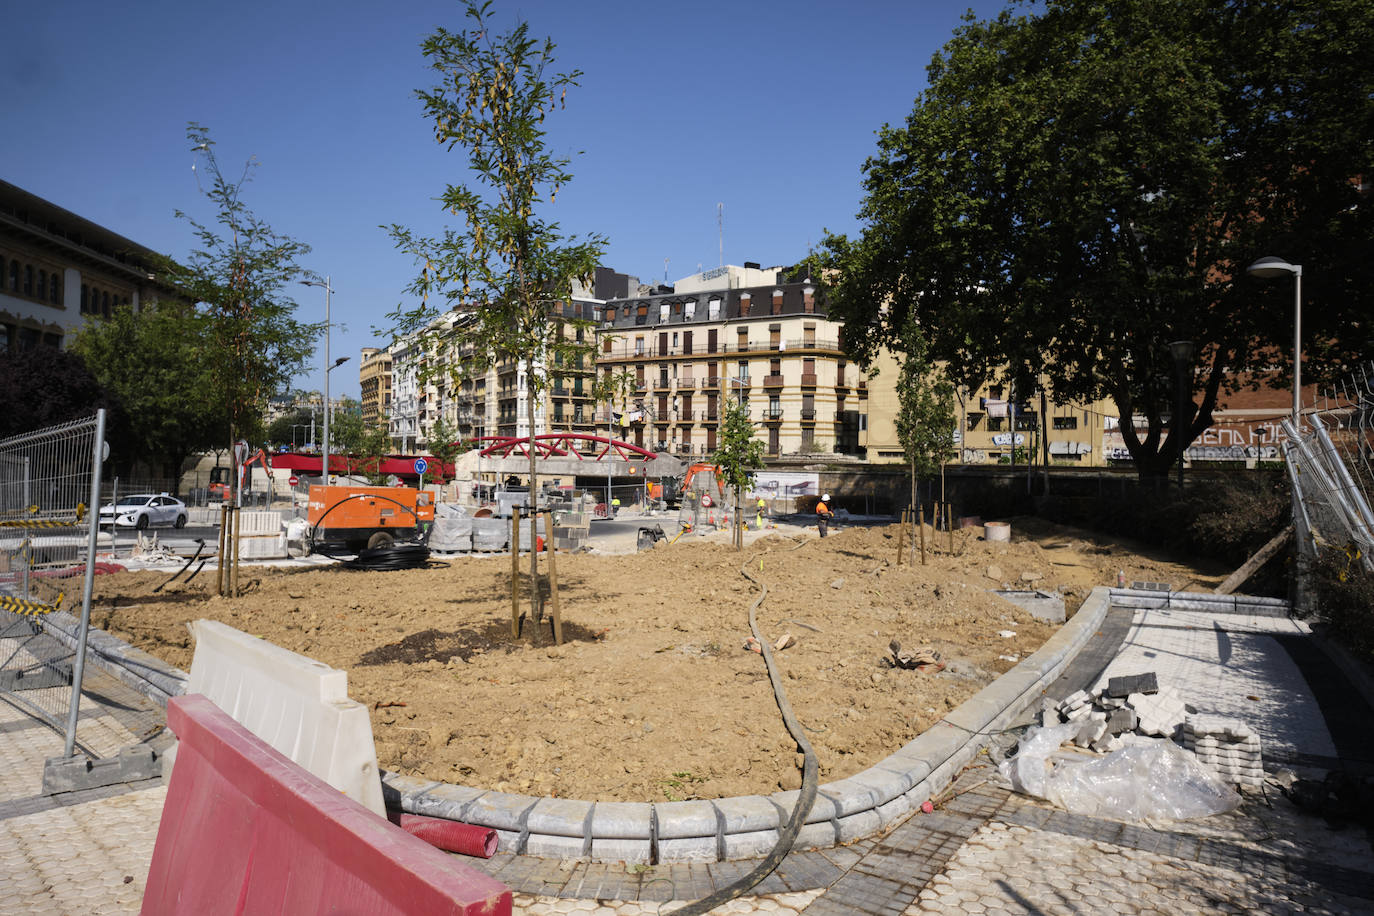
507,268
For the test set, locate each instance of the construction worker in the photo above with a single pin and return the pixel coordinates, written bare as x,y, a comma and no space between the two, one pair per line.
615,506
762,510
823,514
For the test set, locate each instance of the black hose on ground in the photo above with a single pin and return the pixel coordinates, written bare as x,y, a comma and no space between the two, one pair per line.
402,556
201,546
805,800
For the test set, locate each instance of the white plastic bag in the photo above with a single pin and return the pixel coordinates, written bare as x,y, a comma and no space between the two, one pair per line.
1157,779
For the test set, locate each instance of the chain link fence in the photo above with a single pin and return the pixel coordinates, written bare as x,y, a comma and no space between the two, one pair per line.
49,510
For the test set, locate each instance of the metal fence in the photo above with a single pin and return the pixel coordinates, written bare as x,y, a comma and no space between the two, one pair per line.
49,505
1331,466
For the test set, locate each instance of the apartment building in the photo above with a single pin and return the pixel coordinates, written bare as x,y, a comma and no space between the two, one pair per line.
744,333
57,269
374,377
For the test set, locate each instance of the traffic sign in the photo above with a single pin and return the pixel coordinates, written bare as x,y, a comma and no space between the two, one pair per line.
293,480
420,465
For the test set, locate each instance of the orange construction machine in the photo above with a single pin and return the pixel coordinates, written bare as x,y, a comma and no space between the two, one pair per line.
368,517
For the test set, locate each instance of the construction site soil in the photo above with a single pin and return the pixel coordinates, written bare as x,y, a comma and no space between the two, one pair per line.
652,696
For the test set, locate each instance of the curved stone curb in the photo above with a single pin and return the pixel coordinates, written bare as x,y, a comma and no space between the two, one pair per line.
149,675
747,827
744,827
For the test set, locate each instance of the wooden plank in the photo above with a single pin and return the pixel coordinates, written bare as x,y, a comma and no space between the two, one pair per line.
1252,565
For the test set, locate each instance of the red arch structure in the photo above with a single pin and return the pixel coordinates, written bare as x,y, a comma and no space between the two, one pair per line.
564,445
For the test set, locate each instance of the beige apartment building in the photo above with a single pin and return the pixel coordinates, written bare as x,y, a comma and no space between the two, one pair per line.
744,333
374,377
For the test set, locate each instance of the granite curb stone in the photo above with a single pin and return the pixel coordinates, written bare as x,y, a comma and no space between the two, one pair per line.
748,826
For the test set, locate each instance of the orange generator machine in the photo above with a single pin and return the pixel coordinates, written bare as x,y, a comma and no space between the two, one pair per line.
369,517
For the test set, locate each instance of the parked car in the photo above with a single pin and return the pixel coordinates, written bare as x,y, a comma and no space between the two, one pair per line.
145,509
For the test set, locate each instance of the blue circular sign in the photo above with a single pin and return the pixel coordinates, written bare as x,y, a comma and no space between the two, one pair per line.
420,465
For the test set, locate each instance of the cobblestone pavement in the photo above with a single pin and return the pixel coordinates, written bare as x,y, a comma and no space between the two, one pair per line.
984,849
88,855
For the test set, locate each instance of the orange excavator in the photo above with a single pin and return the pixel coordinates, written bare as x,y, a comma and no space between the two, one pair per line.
219,476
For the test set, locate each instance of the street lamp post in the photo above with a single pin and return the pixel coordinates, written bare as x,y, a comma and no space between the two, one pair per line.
328,292
328,408
1182,352
1271,268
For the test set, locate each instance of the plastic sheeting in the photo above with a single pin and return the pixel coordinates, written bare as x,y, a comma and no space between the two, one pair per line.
1149,779
451,533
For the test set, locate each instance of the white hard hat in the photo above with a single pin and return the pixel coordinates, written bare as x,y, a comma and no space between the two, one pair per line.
825,498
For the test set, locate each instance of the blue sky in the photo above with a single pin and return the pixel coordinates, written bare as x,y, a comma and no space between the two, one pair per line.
769,108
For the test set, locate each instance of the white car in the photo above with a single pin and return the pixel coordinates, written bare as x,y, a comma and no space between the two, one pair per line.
145,509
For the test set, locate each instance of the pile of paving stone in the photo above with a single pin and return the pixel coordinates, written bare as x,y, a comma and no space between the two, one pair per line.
1134,708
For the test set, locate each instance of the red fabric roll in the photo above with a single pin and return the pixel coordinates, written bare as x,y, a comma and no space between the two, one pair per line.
450,836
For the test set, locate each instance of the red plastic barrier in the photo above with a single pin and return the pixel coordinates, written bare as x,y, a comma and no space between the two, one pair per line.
450,836
245,830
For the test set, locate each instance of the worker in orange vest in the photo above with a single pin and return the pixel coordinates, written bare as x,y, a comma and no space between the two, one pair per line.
823,514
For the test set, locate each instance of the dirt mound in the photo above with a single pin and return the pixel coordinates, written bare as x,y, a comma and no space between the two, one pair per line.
652,696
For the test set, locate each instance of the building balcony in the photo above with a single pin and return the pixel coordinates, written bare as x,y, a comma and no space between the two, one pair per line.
709,416
808,380
808,415
663,384
772,416
772,381
711,383
740,383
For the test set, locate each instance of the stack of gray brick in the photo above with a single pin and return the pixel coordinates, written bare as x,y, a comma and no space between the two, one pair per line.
490,534
1227,747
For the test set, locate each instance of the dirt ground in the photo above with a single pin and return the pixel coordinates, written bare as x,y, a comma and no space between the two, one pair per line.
652,696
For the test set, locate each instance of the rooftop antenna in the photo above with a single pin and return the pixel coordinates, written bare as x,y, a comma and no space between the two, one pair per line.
720,232
665,271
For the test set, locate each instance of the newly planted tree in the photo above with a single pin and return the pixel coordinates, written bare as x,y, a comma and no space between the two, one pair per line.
508,269
738,454
239,279
925,417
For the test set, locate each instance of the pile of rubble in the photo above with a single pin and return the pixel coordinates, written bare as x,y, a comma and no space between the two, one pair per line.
1134,709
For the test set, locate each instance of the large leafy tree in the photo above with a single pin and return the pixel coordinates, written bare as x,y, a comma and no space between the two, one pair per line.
239,278
156,364
508,268
1080,186
42,386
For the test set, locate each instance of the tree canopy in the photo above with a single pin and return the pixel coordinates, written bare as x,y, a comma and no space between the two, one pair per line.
157,364
1081,185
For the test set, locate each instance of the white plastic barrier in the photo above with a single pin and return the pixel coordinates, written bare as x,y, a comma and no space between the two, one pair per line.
297,705
259,522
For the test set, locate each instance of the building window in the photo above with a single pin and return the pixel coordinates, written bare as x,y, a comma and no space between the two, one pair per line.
744,303
105,304
85,298
689,309
14,276
28,279
743,339
1066,423
809,300
662,313
639,346
713,309
42,284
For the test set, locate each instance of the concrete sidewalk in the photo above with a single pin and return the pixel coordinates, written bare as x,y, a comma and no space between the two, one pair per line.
983,850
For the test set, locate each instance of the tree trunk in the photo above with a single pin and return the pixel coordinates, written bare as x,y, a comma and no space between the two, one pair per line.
536,611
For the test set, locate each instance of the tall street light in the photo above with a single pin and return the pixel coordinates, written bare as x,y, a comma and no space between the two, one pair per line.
328,292
1182,352
1272,268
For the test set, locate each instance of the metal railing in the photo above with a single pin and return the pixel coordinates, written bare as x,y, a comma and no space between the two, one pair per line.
49,512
